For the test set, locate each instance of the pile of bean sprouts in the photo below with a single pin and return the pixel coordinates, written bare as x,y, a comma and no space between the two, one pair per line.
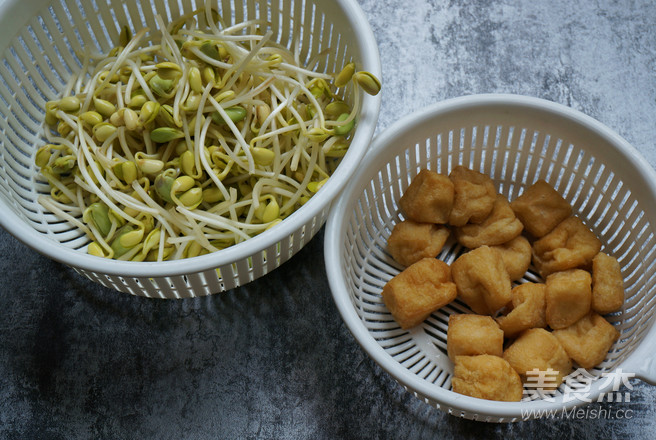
193,138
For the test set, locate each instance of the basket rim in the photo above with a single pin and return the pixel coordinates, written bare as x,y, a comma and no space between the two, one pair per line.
336,226
369,60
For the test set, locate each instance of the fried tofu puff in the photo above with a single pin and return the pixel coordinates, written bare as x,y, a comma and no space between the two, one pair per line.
499,227
527,309
411,241
607,284
538,349
429,198
470,335
516,256
482,280
588,340
569,245
568,295
486,377
412,295
540,208
474,196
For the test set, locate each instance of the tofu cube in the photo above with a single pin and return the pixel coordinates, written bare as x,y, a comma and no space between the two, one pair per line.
528,309
474,196
607,284
429,198
499,227
486,377
470,335
541,208
588,340
411,241
569,295
569,245
482,280
516,256
538,349
412,295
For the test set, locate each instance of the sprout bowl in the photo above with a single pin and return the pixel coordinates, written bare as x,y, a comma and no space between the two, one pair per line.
44,43
515,140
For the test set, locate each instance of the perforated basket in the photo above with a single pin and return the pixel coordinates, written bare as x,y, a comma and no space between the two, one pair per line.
39,41
515,140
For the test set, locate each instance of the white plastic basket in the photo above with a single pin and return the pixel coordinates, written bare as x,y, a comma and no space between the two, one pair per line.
515,140
38,42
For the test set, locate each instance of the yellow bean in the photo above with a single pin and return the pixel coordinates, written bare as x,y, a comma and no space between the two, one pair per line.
91,118
104,107
69,104
103,131
192,198
195,80
182,184
368,82
132,238
188,163
212,195
271,212
263,156
95,250
345,75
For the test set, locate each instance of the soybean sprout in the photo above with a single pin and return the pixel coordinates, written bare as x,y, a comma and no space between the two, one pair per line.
193,138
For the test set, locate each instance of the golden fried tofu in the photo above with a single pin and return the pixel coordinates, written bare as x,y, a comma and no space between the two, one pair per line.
569,245
588,340
474,196
569,295
537,348
411,241
527,309
429,198
540,208
482,280
470,335
516,256
412,295
486,377
607,284
499,227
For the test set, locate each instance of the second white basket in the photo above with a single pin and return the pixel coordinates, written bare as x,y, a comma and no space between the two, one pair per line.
515,140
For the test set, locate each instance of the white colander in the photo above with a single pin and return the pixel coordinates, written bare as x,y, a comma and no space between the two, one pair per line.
39,41
515,140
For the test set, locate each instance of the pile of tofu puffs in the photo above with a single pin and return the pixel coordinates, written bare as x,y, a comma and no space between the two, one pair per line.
516,327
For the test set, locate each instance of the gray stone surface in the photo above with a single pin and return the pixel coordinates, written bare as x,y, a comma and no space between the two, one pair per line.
273,359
